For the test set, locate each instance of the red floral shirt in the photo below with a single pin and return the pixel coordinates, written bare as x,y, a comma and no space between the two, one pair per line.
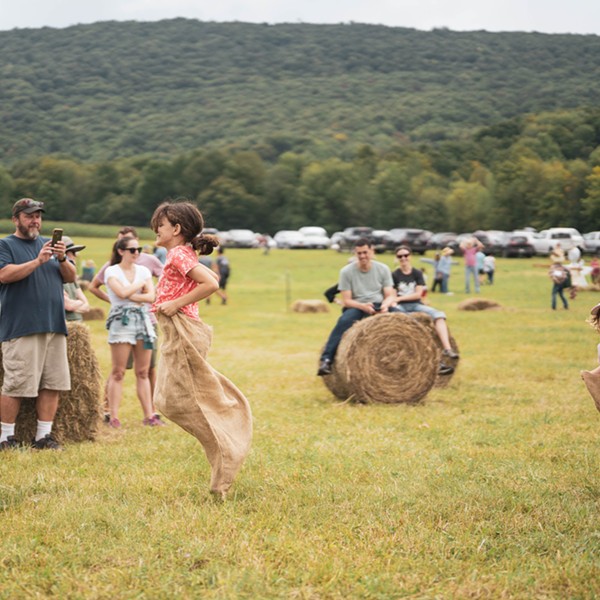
174,281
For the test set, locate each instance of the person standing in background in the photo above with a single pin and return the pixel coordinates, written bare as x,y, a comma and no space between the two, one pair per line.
469,248
223,270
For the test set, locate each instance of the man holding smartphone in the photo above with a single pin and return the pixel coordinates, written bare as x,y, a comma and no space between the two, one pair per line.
32,323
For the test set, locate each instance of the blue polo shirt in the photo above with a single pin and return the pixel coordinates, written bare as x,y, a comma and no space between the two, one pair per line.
34,304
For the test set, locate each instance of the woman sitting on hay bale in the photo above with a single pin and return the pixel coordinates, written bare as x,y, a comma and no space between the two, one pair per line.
409,284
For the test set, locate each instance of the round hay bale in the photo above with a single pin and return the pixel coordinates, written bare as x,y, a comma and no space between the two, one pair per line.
84,284
310,306
336,383
427,322
389,358
94,314
79,411
478,304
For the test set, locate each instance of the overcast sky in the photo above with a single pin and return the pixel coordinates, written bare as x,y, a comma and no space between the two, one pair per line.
548,16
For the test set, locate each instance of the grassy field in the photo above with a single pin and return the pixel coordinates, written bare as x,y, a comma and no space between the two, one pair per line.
490,488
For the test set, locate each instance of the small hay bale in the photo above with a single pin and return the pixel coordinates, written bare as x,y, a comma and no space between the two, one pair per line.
79,411
388,358
478,304
427,321
94,314
310,306
84,284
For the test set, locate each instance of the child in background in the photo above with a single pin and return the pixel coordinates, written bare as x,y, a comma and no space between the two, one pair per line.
188,390
592,378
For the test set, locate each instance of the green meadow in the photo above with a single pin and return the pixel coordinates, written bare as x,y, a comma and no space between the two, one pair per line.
489,488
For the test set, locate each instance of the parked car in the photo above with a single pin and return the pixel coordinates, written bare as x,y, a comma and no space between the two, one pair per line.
567,236
315,237
519,244
351,234
591,242
498,239
380,238
241,238
415,239
438,241
288,238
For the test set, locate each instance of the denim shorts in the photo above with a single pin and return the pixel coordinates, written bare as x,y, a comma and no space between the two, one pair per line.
410,307
135,330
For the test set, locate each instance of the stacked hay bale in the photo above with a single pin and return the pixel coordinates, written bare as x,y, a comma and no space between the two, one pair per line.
94,314
310,306
79,411
389,358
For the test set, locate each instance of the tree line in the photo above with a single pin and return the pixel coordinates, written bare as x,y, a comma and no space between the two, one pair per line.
538,170
110,90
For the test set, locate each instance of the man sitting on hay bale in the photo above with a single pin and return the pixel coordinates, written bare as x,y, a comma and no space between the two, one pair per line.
410,284
366,288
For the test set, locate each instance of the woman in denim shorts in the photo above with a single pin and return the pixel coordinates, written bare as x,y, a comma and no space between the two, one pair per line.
130,288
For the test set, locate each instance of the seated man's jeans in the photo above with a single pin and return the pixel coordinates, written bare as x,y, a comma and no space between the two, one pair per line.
348,317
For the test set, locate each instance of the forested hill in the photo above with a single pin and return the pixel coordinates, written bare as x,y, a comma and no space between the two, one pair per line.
116,89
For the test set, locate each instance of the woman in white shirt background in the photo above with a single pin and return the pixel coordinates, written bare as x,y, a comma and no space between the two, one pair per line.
130,290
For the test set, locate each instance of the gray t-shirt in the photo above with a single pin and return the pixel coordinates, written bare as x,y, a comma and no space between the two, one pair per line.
366,287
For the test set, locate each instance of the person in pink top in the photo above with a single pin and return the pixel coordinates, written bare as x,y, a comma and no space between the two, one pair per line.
469,248
189,391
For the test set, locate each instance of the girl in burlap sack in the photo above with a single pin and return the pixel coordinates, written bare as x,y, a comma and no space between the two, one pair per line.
188,390
592,378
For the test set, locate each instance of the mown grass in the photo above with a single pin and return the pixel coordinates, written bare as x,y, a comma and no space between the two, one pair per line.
488,489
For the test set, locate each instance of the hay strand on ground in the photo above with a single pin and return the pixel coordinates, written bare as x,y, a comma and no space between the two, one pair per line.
478,304
389,358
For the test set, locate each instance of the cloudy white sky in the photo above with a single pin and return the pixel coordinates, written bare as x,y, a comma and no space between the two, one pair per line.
548,16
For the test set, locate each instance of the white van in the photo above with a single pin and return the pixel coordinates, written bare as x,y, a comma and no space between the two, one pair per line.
568,238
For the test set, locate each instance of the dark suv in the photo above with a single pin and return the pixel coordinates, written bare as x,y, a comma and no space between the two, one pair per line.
415,239
351,234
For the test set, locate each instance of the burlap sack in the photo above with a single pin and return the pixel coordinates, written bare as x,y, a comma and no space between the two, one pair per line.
200,400
592,382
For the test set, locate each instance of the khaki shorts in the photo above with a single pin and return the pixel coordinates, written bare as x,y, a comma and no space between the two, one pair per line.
35,362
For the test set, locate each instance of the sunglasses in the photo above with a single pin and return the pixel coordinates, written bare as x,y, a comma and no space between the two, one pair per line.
402,255
134,250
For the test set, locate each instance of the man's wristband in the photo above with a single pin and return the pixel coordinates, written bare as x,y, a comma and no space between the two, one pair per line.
63,259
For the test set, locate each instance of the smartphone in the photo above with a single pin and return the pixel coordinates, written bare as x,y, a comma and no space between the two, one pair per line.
56,236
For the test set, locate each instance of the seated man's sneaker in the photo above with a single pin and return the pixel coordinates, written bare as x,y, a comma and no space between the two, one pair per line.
450,353
324,367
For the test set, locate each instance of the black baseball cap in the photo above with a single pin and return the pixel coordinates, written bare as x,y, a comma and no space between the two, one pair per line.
28,206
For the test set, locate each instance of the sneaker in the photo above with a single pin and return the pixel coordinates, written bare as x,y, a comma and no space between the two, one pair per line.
324,367
9,443
450,353
115,423
158,420
153,421
46,443
445,369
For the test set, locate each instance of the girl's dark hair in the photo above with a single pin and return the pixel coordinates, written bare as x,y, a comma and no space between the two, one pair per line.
115,257
190,220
